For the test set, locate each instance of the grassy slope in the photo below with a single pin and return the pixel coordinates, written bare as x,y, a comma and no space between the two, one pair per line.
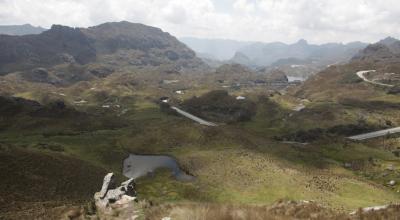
233,163
33,181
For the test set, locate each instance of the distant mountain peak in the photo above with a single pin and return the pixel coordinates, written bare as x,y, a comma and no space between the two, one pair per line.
389,38
388,41
240,55
241,58
302,42
386,49
19,30
149,46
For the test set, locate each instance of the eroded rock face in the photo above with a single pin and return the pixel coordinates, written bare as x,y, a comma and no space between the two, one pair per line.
111,197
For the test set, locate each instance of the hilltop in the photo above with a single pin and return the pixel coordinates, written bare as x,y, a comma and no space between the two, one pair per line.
386,50
146,46
341,81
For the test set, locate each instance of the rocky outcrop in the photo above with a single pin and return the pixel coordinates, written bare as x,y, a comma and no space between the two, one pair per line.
387,49
146,45
375,52
57,45
109,194
116,202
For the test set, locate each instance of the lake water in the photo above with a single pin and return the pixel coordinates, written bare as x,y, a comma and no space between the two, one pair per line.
136,166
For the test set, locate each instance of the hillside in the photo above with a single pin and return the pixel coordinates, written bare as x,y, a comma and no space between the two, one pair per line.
386,50
147,47
336,82
67,123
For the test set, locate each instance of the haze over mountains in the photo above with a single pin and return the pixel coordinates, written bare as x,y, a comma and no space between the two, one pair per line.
251,54
219,49
20,29
386,49
265,54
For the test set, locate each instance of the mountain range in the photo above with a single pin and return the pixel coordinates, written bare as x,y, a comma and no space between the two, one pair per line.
76,102
384,50
217,49
264,54
24,29
133,44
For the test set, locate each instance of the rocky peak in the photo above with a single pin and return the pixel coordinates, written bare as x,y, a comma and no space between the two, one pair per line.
302,42
386,49
388,41
61,44
112,36
241,58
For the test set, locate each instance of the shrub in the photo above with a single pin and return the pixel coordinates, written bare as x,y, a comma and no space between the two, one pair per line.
350,78
219,106
394,90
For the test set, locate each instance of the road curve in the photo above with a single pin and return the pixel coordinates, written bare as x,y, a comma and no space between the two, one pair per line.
361,75
194,118
375,134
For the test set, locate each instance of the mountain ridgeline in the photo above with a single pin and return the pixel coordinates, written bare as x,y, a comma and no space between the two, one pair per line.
387,49
63,44
19,30
263,54
259,54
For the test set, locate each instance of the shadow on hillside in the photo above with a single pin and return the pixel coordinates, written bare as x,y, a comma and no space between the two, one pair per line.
370,105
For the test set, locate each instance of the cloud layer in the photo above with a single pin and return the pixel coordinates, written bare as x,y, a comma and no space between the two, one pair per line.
251,20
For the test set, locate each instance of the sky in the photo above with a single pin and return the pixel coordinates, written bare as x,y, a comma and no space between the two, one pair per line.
318,21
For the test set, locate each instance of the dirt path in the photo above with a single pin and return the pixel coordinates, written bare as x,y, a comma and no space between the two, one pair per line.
361,75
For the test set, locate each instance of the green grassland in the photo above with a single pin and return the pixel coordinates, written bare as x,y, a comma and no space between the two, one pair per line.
239,163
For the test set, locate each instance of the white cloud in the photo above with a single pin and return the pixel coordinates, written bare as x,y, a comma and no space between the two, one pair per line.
256,20
244,6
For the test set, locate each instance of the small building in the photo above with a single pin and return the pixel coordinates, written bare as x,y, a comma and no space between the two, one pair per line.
240,98
164,99
180,92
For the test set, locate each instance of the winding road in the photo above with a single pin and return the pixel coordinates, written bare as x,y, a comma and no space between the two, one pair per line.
375,134
194,118
361,75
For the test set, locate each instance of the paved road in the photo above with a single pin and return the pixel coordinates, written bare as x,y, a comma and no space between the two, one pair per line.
192,117
375,134
361,75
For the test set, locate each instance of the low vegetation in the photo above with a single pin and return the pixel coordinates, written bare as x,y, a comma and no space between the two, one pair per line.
61,137
221,107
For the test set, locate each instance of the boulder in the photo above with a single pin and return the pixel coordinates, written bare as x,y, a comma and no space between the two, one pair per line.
110,195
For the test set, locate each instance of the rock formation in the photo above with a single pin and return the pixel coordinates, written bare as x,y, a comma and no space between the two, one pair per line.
123,42
111,197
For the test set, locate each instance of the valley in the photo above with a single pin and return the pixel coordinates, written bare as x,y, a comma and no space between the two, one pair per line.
73,111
